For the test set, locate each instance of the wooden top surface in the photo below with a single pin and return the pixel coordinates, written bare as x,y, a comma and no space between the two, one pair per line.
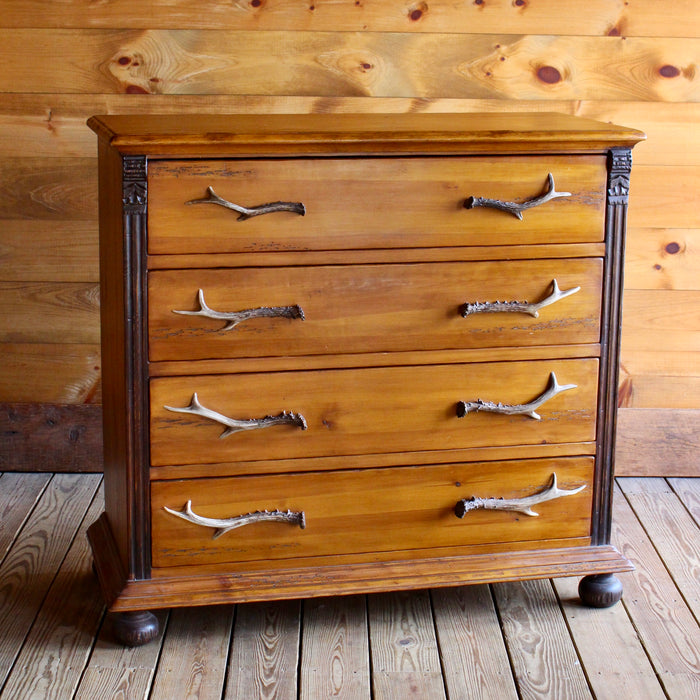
330,134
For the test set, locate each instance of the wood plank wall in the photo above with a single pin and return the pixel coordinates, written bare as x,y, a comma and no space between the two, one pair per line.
634,62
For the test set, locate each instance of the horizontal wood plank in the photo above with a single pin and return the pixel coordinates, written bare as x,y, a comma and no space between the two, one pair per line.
332,63
51,373
54,125
663,258
69,312
602,18
658,442
33,250
42,437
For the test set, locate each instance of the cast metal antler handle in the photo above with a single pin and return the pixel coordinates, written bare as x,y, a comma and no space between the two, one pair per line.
521,505
526,409
233,425
250,212
482,307
517,208
225,525
233,318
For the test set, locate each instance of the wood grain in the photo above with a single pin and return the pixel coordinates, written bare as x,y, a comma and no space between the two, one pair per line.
28,570
57,373
669,437
115,671
368,410
391,510
60,189
264,652
59,642
643,18
193,659
18,496
607,643
543,656
661,512
688,490
472,650
54,125
670,632
42,437
36,251
335,651
69,312
363,63
404,654
662,258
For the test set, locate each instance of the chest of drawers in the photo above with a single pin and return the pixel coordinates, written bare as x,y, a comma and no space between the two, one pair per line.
356,353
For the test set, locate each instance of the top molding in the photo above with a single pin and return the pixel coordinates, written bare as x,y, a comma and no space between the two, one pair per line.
338,134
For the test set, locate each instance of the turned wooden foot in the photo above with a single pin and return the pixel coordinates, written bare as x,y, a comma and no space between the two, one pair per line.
600,590
135,628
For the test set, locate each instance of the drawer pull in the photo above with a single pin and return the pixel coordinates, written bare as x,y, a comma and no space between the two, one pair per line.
250,212
483,307
521,505
517,208
235,426
526,409
233,318
223,526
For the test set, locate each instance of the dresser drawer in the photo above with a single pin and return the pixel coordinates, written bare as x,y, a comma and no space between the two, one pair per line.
371,308
368,411
371,203
374,510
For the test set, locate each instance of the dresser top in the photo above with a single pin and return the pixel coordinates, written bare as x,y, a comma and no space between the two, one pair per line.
377,134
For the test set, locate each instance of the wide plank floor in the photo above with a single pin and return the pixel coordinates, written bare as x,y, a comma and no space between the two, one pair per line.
509,640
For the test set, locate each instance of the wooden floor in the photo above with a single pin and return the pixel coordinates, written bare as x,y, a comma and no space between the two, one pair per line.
515,640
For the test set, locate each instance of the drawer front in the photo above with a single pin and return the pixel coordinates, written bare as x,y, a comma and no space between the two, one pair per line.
370,510
371,203
371,308
369,411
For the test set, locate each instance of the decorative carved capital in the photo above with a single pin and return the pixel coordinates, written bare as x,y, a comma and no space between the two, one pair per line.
619,167
134,188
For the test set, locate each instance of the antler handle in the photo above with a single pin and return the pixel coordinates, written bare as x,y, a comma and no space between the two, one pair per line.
521,505
223,526
532,308
233,318
527,409
233,425
517,208
249,212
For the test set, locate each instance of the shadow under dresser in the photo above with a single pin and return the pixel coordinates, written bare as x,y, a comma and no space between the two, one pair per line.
356,353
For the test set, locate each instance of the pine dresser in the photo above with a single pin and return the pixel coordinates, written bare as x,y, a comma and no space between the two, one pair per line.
356,353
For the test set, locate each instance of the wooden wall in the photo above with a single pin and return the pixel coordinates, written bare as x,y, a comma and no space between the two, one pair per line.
634,62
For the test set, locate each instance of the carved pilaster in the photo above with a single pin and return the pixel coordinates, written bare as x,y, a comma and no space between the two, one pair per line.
619,168
134,208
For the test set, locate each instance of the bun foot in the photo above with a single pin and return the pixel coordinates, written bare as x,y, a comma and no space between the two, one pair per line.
135,628
600,590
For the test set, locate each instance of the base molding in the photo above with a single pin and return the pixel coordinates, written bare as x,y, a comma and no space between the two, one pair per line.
182,590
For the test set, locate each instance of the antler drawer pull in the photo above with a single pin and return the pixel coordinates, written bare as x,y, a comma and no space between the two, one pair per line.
521,505
233,318
225,525
517,208
482,307
526,409
249,212
235,426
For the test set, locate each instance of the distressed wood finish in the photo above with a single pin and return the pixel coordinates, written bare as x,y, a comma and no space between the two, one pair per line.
357,399
397,308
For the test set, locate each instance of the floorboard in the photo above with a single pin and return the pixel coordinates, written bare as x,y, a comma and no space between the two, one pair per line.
528,639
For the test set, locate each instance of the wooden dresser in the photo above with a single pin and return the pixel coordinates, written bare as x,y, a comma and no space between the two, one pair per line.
356,353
